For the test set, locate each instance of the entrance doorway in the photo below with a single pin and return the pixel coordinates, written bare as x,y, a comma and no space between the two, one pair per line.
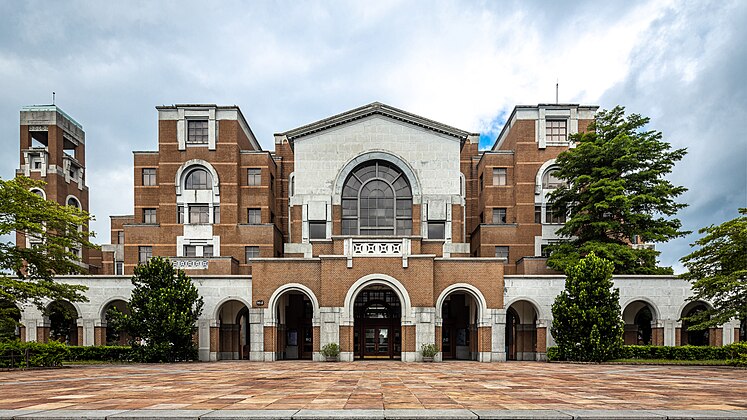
233,333
295,338
459,329
521,331
377,333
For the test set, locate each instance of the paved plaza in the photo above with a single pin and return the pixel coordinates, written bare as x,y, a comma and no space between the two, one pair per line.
373,385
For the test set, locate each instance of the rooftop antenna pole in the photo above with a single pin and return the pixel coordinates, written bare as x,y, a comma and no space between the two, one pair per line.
556,90
52,98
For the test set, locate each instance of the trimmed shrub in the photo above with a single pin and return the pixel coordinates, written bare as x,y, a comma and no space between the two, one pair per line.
100,353
735,353
13,354
331,350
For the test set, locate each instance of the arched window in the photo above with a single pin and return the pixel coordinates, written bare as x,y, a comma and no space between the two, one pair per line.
376,200
550,180
198,179
72,202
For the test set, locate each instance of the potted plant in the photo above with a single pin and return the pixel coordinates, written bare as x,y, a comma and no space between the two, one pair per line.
330,351
428,351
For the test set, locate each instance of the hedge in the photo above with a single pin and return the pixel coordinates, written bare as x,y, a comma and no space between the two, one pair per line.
735,353
13,354
100,353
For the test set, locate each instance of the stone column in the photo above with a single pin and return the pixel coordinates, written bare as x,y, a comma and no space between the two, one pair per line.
425,332
329,329
87,331
731,332
498,343
203,339
671,332
256,335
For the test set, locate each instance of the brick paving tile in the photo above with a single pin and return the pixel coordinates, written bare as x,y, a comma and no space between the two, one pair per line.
374,385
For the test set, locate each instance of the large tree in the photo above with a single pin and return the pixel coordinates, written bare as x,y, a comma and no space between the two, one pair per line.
718,271
163,313
587,325
27,274
615,191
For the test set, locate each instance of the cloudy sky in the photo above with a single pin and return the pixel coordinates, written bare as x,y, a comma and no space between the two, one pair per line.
466,64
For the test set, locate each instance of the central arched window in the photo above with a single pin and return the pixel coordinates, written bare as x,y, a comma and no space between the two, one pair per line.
550,179
376,200
198,179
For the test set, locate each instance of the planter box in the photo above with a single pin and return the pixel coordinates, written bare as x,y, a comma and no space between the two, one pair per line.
330,358
427,358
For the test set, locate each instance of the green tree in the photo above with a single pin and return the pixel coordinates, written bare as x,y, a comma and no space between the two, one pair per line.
27,274
587,325
718,272
615,190
163,313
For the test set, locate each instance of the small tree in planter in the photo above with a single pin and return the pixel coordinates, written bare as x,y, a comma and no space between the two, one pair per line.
428,351
330,351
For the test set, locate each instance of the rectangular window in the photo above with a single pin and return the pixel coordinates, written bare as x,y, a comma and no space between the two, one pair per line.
207,251
482,182
317,230
149,177
537,214
190,251
254,216
436,230
499,216
144,254
553,215
120,237
216,214
556,131
197,131
499,176
254,177
251,252
180,215
118,268
199,214
501,252
149,216
545,250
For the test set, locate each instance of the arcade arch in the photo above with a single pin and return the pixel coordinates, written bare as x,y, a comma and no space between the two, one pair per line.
641,318
233,333
521,331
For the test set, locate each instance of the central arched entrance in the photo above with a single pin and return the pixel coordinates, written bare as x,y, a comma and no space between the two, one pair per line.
459,312
295,337
377,331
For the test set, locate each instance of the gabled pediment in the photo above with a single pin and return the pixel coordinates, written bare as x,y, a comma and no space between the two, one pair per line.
375,109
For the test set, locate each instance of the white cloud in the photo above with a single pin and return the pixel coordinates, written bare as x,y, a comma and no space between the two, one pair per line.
460,63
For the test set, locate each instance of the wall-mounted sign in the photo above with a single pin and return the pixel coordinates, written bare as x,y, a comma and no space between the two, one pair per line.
260,302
